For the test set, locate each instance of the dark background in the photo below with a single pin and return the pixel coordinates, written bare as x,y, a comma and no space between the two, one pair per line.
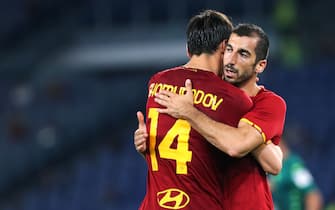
74,73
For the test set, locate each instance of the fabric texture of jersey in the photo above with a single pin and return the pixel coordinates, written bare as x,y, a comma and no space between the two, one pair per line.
246,185
268,114
184,170
292,184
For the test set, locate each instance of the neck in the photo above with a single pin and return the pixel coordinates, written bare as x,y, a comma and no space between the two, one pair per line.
250,87
205,62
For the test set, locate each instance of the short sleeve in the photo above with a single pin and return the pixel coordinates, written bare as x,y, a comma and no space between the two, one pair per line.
268,116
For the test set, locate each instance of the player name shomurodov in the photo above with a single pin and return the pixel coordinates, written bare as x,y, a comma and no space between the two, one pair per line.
208,100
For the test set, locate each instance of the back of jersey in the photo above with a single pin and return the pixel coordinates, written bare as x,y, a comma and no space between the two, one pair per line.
183,168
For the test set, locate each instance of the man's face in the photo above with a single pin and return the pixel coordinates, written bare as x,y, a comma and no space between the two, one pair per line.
239,59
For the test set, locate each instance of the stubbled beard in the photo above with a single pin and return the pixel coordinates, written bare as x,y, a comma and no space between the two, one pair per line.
241,79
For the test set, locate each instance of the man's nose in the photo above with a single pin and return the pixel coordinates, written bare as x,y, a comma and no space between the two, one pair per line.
233,58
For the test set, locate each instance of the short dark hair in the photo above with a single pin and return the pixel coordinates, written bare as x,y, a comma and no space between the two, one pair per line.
206,31
252,30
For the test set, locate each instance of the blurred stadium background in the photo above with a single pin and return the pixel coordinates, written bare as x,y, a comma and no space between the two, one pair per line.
74,73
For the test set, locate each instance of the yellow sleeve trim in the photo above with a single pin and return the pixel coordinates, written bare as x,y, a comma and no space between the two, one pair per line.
259,129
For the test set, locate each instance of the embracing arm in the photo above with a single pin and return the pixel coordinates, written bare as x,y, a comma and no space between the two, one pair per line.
236,142
270,157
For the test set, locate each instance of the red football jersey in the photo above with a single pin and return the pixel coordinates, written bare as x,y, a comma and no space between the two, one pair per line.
184,170
246,185
268,115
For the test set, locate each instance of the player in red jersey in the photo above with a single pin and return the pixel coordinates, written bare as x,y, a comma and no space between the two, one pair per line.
198,186
183,168
245,185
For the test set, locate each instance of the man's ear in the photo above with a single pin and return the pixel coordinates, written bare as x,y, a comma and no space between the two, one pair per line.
260,66
187,52
223,45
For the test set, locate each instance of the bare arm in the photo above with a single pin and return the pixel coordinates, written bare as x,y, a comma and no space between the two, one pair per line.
270,157
236,142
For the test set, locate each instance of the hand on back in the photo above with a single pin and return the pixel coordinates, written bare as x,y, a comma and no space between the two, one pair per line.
140,135
178,106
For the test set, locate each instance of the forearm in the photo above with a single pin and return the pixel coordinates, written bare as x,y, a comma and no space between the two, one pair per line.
231,140
270,158
236,142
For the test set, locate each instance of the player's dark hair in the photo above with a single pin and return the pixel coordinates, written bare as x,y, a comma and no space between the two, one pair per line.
206,31
251,30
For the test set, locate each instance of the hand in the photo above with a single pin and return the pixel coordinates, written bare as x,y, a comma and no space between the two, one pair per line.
140,135
178,106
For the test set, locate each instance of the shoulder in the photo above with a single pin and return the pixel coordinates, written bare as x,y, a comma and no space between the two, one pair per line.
270,97
167,71
164,73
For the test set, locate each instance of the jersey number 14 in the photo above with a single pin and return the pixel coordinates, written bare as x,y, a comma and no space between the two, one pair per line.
181,154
